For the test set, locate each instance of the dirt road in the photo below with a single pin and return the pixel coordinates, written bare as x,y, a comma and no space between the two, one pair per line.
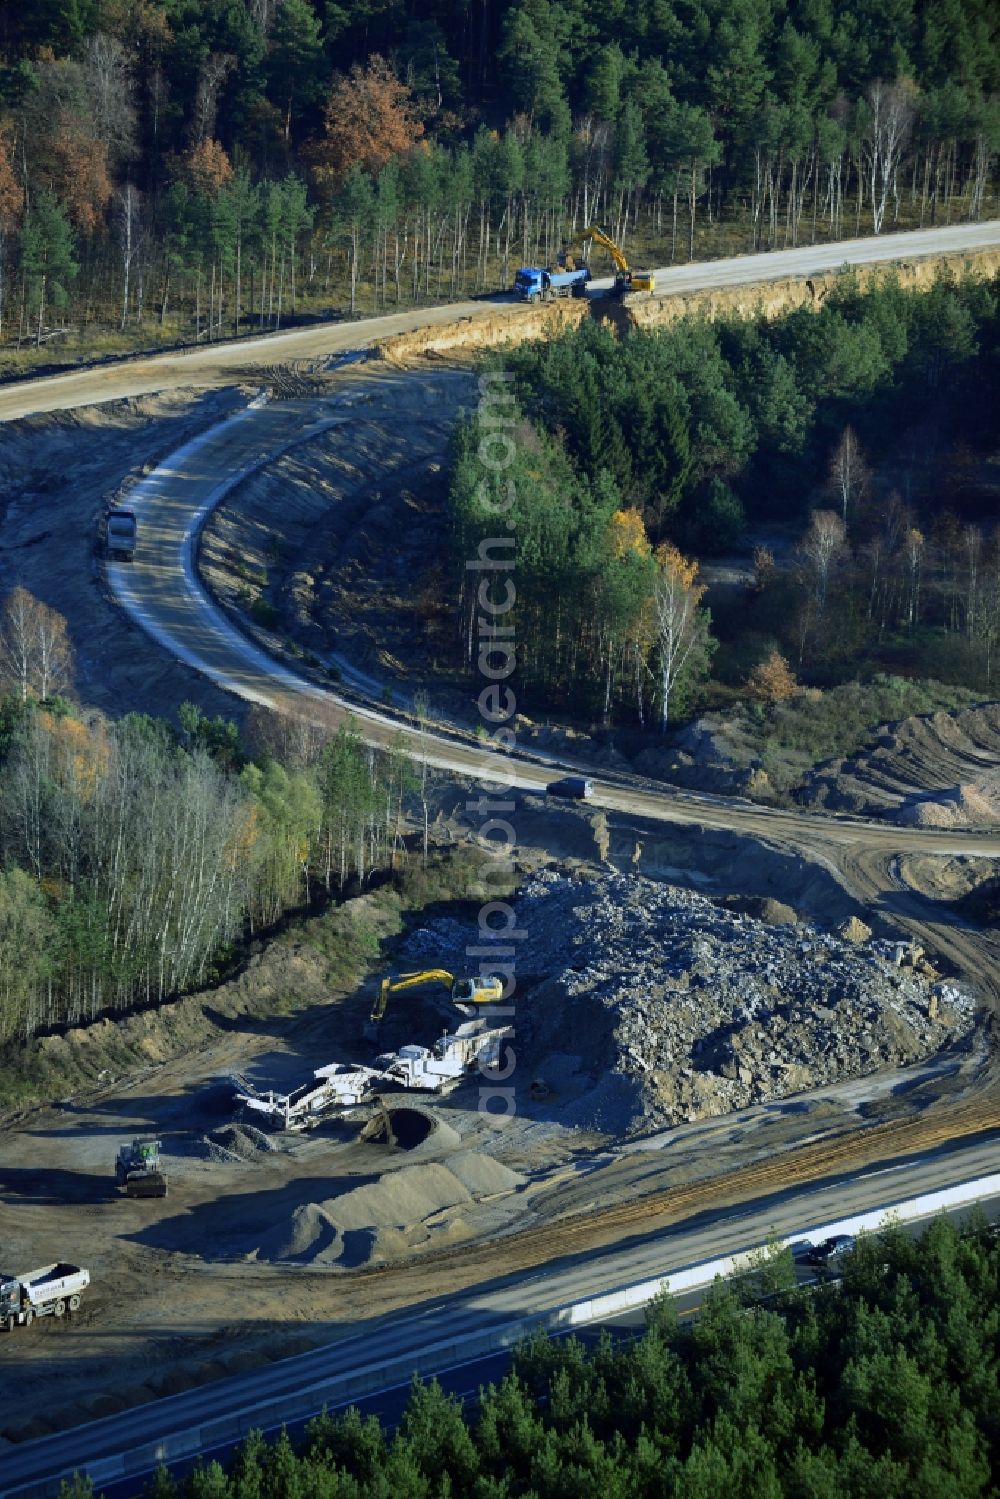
228,363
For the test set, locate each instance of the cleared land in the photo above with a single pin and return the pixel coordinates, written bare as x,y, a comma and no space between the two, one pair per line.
267,1244
264,1246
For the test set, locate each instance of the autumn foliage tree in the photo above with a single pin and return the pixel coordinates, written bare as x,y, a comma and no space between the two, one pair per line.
683,641
370,117
772,680
11,203
205,168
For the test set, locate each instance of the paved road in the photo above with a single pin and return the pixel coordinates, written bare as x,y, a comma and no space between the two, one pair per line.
224,363
297,1387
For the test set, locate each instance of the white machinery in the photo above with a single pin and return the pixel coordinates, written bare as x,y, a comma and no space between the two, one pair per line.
449,1059
335,1086
51,1291
339,1086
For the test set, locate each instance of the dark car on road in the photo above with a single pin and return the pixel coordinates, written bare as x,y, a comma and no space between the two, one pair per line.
830,1251
575,786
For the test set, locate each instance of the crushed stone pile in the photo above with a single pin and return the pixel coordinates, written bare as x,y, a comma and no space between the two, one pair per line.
680,1008
386,1216
236,1142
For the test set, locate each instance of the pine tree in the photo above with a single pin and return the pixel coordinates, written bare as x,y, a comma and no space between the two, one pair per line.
48,258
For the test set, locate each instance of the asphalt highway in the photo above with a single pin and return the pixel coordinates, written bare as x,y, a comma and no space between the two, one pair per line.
296,1388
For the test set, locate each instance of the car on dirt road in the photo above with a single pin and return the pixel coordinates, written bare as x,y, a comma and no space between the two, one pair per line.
573,786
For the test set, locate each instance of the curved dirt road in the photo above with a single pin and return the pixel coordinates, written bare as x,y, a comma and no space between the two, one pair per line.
163,594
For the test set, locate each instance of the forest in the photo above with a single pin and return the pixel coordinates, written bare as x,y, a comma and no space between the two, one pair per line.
855,433
137,855
195,168
882,1386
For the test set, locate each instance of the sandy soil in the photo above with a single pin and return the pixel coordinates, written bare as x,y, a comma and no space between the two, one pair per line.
938,770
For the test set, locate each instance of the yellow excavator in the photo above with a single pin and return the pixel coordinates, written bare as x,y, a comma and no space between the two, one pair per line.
475,991
626,280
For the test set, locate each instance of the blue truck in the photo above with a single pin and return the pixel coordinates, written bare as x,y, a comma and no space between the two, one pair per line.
535,284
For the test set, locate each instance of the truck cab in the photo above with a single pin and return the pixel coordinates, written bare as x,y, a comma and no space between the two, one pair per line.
121,531
529,283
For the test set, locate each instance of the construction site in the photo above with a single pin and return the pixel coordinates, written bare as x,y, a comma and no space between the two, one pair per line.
711,1002
664,1040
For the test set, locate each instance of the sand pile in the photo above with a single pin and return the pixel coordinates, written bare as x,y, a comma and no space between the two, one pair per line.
387,1216
973,804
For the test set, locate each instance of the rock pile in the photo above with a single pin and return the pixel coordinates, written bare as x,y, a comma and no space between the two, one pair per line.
236,1142
680,1008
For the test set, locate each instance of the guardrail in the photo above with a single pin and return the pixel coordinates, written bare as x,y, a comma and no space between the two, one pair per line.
436,1358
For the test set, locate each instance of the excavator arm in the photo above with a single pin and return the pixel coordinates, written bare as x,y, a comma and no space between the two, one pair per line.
626,279
408,981
464,991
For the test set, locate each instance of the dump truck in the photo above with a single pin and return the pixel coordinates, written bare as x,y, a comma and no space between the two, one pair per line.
138,1169
51,1291
121,533
543,284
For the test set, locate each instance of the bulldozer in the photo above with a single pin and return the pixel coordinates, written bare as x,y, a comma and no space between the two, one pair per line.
627,280
138,1169
463,992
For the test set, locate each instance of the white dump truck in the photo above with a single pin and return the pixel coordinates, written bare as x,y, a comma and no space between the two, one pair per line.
51,1291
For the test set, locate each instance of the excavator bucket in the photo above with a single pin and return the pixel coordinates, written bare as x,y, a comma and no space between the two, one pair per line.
146,1184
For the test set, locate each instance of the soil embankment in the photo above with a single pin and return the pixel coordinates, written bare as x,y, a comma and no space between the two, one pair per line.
936,770
468,337
338,545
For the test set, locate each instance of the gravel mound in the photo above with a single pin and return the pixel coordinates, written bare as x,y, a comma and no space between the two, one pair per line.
383,1217
237,1142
